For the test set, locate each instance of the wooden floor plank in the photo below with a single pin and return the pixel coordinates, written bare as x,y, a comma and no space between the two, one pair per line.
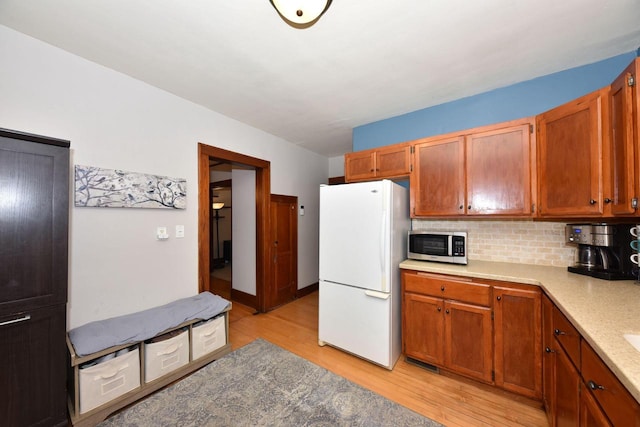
447,399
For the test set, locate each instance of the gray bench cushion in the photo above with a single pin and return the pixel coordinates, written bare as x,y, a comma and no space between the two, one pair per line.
135,327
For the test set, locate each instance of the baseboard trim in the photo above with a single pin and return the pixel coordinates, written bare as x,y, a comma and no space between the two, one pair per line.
244,298
307,290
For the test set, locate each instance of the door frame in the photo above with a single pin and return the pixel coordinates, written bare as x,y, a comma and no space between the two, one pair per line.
263,192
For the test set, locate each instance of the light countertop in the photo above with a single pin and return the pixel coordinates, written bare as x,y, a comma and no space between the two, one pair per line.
601,310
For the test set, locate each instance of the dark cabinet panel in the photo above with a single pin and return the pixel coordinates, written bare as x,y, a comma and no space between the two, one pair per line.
34,216
34,207
33,368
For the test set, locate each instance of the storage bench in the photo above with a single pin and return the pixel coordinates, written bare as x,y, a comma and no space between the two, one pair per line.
105,381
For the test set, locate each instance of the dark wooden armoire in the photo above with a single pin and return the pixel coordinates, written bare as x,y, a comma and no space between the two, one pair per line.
34,222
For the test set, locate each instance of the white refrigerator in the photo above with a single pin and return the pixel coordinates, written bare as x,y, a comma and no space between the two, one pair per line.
363,232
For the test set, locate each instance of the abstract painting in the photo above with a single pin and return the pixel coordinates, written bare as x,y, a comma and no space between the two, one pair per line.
114,188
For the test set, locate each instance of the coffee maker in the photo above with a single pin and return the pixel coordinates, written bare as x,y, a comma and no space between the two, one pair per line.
603,252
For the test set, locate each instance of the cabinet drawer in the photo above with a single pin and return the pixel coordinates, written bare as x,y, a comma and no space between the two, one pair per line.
438,286
613,397
567,336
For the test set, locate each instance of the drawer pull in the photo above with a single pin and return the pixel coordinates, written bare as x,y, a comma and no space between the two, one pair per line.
20,319
548,350
559,332
594,386
499,298
442,288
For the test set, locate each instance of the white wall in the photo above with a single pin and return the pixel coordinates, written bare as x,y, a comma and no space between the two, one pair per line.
243,248
113,121
336,166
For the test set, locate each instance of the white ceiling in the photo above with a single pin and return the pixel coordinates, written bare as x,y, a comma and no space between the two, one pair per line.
365,60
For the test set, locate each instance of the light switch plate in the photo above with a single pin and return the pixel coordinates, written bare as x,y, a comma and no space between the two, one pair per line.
161,233
179,231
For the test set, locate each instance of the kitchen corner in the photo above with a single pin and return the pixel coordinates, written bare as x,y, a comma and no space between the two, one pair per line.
602,311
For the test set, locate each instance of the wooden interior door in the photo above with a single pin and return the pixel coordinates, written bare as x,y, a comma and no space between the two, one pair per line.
284,250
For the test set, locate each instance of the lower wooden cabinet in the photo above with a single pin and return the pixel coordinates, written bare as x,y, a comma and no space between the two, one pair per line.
33,368
517,338
579,389
454,323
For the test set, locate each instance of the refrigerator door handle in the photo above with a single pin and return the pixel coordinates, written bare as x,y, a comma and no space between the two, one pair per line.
376,294
383,241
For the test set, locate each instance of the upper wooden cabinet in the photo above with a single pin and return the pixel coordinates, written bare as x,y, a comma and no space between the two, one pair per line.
570,157
437,181
487,171
623,150
499,171
387,162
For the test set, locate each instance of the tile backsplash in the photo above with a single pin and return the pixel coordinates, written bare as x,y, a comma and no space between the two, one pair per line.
518,241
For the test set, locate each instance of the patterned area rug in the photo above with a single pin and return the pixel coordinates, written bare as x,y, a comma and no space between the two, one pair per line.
261,384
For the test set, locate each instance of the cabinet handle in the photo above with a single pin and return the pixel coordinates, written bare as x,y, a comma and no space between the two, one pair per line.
592,202
20,319
548,350
607,200
499,298
594,386
558,332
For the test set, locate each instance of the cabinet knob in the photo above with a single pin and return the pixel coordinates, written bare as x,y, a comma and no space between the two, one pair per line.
499,298
607,200
558,332
594,386
447,311
548,350
592,202
439,308
442,288
460,207
469,207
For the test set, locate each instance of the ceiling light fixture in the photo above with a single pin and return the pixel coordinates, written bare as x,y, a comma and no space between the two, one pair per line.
301,13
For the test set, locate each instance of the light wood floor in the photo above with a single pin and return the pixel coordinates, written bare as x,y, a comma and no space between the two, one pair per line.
450,401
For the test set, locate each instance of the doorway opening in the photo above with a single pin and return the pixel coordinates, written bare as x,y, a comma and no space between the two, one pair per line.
208,253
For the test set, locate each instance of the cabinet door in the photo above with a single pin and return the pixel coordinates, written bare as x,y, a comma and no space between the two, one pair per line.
468,334
590,413
612,396
498,171
359,166
393,161
518,356
33,368
548,356
622,144
423,328
569,163
566,391
437,181
34,203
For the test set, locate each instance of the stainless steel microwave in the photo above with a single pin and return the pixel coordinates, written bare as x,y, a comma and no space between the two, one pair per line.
439,246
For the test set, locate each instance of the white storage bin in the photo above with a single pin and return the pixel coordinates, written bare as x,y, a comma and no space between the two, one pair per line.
207,337
107,380
162,357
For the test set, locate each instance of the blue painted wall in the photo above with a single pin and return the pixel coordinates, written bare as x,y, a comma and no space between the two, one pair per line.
509,103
